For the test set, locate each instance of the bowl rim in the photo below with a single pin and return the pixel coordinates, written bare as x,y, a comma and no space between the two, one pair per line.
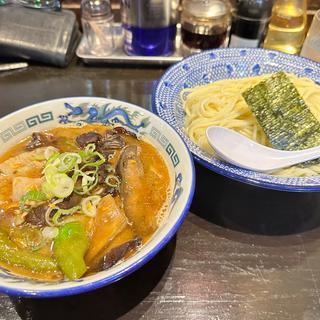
224,172
96,284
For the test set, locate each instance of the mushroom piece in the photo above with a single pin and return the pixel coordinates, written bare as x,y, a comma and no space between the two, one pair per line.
70,202
114,255
111,140
132,190
36,216
39,139
89,137
130,152
121,130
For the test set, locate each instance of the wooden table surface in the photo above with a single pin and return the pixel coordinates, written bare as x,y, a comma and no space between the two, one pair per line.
208,271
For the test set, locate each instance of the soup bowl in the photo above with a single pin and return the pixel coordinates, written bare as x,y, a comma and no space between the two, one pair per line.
77,111
241,203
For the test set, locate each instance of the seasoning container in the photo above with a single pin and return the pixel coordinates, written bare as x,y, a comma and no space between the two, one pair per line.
249,22
311,45
48,5
149,26
287,28
205,24
97,25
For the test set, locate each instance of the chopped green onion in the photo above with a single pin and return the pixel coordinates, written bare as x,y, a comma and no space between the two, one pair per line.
49,171
58,184
46,188
54,220
89,205
64,162
32,195
88,182
110,168
90,148
62,185
76,174
65,172
50,151
53,159
88,155
51,207
63,212
68,161
87,178
87,151
96,163
112,181
50,232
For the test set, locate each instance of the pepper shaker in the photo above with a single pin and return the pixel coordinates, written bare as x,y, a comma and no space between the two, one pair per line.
97,25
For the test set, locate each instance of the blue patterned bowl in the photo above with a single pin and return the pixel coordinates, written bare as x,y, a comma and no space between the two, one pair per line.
75,112
230,63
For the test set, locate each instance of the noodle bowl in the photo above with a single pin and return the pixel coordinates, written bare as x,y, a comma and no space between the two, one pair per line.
12,284
235,197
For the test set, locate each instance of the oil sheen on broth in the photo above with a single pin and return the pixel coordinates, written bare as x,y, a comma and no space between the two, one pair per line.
94,191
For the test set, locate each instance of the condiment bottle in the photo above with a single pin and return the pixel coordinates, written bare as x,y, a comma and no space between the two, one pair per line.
249,22
54,5
205,24
287,26
97,25
311,45
149,26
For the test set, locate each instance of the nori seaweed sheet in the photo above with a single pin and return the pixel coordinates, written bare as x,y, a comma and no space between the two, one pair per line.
282,113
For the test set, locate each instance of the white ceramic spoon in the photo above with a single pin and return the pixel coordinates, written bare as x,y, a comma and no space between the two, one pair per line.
243,152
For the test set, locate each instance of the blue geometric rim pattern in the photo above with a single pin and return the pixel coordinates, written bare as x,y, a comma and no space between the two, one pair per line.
46,291
21,126
161,138
231,63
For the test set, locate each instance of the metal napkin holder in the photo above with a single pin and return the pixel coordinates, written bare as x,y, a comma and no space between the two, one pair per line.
44,36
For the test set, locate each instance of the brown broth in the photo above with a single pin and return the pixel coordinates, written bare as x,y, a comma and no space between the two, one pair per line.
152,197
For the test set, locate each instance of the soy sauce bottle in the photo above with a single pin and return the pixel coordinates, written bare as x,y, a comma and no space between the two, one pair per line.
205,24
249,22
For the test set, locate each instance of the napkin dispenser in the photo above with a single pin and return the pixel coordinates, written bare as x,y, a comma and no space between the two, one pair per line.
44,36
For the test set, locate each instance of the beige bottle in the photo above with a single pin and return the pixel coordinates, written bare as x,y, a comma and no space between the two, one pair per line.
287,27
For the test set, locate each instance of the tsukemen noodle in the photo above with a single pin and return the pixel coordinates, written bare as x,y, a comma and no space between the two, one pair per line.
276,110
